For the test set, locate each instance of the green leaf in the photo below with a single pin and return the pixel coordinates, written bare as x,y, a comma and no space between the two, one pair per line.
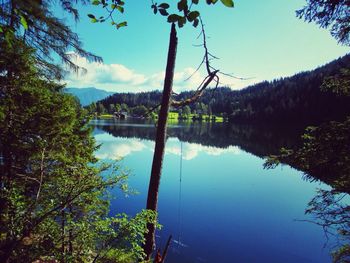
164,5
182,5
163,12
192,15
24,22
93,20
228,3
173,18
96,2
8,37
195,22
120,9
155,9
122,24
182,21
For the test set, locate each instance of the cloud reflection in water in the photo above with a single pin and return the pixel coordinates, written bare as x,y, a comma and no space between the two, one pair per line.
119,147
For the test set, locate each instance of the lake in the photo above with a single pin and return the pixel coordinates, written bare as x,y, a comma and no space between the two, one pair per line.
215,198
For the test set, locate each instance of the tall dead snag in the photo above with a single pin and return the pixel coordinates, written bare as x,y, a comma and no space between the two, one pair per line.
184,13
153,189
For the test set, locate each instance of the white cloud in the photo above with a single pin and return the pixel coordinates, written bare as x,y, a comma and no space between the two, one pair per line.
107,76
119,149
192,150
116,148
120,78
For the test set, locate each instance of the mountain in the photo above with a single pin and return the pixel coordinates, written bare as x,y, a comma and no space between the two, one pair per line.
87,96
294,99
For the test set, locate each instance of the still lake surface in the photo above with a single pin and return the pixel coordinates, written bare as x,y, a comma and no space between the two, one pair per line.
215,198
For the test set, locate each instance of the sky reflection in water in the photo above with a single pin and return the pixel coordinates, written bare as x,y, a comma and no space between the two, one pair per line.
226,208
117,148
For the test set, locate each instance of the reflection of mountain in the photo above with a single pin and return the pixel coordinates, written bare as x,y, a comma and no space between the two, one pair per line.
258,140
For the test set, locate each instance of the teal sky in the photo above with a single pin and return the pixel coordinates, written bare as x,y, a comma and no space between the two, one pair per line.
262,40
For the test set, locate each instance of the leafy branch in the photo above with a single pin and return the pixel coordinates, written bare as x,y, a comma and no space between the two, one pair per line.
184,11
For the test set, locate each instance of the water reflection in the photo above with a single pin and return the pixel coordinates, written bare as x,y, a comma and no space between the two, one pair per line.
330,209
259,140
224,207
118,148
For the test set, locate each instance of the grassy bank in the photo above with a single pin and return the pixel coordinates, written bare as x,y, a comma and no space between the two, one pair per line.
174,116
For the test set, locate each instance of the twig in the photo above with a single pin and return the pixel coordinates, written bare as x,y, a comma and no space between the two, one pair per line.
41,173
166,249
211,73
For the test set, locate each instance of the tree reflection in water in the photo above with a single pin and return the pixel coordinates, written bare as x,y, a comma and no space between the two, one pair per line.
326,162
325,155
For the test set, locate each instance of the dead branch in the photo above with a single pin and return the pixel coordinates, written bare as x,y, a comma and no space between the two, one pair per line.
41,173
211,73
198,93
166,249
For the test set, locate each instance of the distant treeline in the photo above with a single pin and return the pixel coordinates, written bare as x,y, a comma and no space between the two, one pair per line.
292,99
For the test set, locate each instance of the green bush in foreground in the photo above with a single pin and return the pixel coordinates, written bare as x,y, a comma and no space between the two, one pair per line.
53,203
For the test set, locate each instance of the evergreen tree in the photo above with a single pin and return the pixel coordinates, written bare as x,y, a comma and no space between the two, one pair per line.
325,153
52,194
333,14
34,23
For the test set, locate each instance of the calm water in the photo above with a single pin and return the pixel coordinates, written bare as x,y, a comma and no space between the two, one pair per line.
216,199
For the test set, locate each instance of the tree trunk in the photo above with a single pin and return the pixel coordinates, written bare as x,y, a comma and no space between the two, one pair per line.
6,251
152,198
63,236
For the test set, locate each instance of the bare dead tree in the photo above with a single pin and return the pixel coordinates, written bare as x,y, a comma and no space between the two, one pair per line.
161,133
153,189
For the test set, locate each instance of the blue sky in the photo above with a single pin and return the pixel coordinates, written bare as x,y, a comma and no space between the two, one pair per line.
261,40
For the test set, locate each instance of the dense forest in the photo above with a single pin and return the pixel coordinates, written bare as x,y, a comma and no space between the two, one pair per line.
54,192
291,99
53,200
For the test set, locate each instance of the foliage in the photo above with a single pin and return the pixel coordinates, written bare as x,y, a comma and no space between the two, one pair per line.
119,238
339,83
296,99
184,11
139,110
52,197
325,156
330,210
34,23
325,151
333,14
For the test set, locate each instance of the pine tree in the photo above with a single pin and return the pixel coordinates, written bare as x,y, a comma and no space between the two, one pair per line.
52,193
34,23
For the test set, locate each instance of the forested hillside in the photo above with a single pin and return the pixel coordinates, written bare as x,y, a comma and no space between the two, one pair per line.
292,99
